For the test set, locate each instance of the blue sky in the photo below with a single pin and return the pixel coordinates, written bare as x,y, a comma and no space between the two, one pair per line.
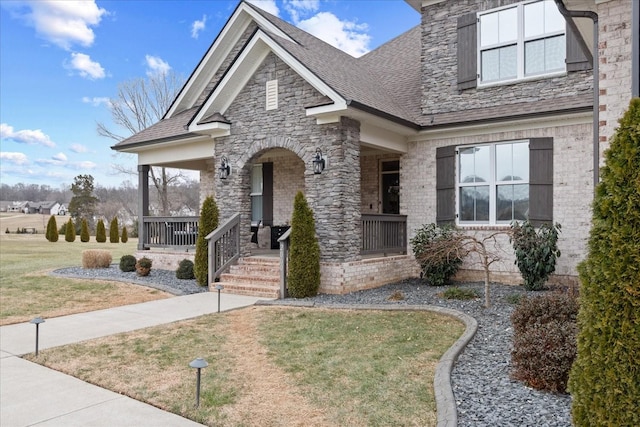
61,60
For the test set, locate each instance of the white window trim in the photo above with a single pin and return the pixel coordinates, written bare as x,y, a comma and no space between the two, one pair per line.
520,43
492,184
380,179
257,168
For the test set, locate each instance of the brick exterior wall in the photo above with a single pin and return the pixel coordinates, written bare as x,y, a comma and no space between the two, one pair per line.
572,192
439,66
207,182
614,50
371,199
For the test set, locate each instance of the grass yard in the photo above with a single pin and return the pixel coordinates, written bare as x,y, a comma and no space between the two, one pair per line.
276,366
27,291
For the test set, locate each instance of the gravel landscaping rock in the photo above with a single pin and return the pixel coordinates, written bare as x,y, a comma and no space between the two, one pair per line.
484,392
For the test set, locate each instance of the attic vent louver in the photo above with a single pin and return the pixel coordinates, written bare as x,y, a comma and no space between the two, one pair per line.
272,94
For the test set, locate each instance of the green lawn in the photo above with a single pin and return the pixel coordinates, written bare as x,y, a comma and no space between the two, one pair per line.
27,291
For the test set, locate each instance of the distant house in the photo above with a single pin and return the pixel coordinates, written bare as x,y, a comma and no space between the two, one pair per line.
16,206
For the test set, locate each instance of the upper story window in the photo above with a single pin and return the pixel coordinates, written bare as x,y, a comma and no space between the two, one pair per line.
515,42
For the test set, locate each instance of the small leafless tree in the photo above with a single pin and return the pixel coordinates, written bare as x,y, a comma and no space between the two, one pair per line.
139,104
460,245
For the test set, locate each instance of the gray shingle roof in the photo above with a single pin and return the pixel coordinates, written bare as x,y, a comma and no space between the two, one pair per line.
172,128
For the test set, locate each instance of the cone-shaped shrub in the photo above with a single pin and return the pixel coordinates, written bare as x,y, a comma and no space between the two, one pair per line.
70,231
125,237
209,217
84,231
52,229
605,378
303,279
101,232
114,231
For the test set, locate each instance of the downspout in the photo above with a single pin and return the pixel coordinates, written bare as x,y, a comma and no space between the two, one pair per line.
569,14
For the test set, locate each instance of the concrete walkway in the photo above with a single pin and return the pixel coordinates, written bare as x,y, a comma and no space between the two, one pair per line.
31,394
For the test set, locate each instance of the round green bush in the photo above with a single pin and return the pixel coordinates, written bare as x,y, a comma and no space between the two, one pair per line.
128,263
185,270
438,270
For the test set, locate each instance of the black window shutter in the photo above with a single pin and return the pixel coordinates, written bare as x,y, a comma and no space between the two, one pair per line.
267,194
577,59
446,185
541,181
467,51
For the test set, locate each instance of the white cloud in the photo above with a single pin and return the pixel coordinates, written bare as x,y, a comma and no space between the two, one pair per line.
345,35
26,136
198,26
15,158
83,165
298,8
156,65
79,148
60,157
85,66
266,5
64,23
96,101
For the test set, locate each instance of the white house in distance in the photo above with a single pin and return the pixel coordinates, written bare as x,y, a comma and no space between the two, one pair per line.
485,113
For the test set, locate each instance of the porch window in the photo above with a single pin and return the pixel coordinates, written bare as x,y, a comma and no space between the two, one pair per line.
390,186
256,193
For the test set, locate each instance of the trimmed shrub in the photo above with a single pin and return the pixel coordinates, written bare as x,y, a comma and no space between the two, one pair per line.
143,266
7,231
209,216
125,237
128,263
536,252
544,341
62,231
605,379
70,232
101,233
96,258
84,231
460,293
114,229
303,279
438,266
185,270
52,229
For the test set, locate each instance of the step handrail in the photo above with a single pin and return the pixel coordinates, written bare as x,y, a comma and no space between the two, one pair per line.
223,247
284,256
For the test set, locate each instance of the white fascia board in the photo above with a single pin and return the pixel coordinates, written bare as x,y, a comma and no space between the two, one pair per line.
217,53
329,113
137,149
245,66
524,124
385,139
202,148
214,129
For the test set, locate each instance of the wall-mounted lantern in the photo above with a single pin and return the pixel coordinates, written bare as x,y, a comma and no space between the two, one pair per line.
319,162
225,168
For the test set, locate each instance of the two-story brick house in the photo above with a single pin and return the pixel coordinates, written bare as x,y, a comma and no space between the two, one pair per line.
481,115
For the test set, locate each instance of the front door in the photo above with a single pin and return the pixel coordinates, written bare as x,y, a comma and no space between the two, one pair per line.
390,186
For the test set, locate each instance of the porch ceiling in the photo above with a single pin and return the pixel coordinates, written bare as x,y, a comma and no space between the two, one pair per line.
192,154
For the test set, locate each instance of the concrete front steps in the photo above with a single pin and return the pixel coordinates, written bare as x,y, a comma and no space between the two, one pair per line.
253,276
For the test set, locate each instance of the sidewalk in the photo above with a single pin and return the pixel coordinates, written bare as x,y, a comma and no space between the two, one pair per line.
31,394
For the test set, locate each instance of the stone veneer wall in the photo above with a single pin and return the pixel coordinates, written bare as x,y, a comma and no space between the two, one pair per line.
439,66
614,26
572,193
334,195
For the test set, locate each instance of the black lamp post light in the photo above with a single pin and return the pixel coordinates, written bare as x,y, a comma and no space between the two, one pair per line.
319,162
225,168
36,321
198,364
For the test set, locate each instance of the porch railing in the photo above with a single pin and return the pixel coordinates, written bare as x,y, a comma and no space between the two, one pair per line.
169,231
224,247
384,234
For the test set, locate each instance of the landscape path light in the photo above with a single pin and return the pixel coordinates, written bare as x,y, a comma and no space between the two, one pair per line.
198,364
219,287
36,321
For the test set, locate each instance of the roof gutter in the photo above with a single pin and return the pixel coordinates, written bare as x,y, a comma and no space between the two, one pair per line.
569,15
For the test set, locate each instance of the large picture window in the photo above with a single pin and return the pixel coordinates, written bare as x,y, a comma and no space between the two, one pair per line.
493,183
515,42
